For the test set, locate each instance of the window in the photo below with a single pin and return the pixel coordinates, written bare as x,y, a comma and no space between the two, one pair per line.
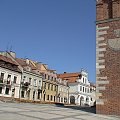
44,85
55,88
83,89
39,82
2,76
48,86
51,87
24,78
51,97
45,76
33,95
22,94
39,91
54,98
0,90
38,95
7,91
47,97
65,100
87,99
9,77
44,97
15,79
35,82
61,99
30,80
83,80
80,88
110,9
87,90
48,77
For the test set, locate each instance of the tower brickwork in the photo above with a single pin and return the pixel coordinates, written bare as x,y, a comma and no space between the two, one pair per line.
108,57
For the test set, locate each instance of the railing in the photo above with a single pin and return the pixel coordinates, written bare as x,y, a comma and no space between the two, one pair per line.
5,82
25,84
8,82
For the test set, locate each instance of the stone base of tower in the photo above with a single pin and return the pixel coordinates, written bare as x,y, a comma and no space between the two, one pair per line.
107,68
108,109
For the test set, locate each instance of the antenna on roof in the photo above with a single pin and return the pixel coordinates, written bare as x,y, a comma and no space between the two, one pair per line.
7,47
11,48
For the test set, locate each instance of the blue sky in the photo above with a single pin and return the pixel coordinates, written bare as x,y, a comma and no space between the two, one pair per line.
60,33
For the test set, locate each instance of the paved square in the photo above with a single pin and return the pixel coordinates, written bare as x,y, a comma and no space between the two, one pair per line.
26,111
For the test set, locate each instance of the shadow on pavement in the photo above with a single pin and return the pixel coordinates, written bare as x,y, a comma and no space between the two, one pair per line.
86,109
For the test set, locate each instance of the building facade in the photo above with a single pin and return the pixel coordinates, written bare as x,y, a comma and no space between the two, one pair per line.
36,82
108,57
79,91
10,77
30,88
63,91
49,85
31,81
93,94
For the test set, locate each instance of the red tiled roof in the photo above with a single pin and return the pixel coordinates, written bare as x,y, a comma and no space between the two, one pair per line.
71,77
8,60
23,63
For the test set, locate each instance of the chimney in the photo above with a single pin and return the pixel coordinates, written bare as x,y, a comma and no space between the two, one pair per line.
27,61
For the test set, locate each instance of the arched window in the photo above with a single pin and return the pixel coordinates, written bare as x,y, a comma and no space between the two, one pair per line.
87,99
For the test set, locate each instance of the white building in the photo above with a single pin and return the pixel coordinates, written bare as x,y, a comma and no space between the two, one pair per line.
30,83
10,77
79,92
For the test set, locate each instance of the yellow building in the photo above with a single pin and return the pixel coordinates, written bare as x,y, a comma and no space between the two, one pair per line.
49,83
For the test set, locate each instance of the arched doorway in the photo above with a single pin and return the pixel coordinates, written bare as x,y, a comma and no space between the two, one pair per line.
72,100
81,100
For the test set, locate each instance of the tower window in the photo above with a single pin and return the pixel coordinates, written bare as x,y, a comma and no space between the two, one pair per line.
110,9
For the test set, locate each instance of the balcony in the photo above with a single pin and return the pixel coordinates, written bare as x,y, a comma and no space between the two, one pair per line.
8,82
25,85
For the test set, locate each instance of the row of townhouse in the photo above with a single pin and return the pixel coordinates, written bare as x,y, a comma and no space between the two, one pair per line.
28,80
24,79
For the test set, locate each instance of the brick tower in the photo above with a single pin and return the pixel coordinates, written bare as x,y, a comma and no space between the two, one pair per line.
108,57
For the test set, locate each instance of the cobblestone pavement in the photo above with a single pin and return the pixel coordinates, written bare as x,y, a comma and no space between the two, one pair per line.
25,111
